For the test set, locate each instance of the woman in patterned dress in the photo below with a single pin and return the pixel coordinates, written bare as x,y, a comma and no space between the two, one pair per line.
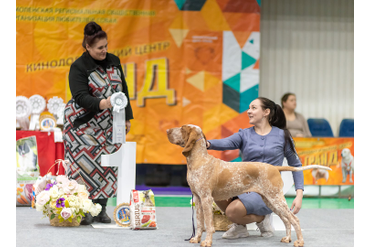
88,118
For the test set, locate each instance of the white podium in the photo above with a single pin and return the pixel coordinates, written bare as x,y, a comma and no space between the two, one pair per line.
125,160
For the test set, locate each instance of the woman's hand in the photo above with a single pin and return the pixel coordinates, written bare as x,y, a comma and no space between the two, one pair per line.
297,203
128,126
208,144
105,103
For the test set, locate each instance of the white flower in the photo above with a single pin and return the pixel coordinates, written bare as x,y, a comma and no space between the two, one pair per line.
86,205
70,187
61,179
43,197
54,192
74,202
95,209
39,207
82,192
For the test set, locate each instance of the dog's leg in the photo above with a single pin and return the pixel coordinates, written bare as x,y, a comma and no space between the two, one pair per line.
208,220
200,220
279,206
344,174
297,227
272,204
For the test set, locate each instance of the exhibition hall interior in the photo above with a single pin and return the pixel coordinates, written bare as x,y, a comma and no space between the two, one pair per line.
211,122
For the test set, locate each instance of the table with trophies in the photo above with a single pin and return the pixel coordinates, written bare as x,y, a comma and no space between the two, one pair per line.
46,126
44,120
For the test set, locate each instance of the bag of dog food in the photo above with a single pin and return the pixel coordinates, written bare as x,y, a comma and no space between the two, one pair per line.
27,169
142,210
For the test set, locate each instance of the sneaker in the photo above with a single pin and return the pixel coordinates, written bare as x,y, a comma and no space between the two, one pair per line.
265,227
236,231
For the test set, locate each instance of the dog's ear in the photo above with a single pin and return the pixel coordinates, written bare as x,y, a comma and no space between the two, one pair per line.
204,137
192,137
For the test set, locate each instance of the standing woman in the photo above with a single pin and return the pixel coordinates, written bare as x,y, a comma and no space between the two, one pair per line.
88,118
267,141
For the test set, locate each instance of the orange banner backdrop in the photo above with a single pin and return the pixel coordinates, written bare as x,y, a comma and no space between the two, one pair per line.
336,153
172,53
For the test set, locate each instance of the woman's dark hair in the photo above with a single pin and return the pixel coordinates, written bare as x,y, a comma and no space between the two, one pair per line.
285,98
277,118
92,32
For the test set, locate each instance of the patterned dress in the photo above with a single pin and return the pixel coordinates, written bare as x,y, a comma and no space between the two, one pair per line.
87,133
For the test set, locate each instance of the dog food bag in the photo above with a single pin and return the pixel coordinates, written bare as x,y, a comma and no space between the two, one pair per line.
27,169
142,210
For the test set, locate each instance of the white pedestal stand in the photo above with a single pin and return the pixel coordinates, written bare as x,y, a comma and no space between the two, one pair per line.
125,160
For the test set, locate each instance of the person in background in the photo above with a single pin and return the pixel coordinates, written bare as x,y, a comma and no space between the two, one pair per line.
295,122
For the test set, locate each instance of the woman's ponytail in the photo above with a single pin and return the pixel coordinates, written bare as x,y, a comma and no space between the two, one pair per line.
277,119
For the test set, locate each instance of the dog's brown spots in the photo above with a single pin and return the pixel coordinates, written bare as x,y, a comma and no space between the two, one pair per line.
274,177
185,132
223,178
247,180
253,170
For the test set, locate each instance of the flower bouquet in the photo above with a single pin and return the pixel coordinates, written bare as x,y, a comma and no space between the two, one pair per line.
64,201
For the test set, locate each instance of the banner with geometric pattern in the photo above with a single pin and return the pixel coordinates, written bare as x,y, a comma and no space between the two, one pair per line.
185,62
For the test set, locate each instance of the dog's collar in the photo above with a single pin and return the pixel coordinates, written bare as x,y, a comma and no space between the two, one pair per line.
199,139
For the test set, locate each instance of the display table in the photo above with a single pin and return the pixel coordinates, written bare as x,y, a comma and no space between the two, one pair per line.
47,150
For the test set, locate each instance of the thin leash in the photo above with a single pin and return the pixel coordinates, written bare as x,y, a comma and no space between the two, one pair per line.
192,209
192,218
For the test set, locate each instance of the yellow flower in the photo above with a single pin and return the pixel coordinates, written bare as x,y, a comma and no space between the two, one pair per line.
53,203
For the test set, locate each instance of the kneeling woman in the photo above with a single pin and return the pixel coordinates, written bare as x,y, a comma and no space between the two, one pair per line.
267,141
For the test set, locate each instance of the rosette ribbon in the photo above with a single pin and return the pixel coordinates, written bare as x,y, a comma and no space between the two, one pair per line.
38,104
23,111
119,102
56,107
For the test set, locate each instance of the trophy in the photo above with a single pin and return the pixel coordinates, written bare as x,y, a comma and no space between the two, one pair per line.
38,104
56,107
23,111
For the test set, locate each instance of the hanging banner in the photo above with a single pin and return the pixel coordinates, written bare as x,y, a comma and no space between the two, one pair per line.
336,153
185,62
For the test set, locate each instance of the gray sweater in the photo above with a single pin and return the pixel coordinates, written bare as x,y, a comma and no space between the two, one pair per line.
267,149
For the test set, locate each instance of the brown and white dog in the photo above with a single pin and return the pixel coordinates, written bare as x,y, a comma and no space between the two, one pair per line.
211,178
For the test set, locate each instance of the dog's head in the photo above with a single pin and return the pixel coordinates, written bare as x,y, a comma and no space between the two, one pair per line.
346,153
185,136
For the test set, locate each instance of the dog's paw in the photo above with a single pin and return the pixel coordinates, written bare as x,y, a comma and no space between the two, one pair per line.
194,240
286,239
206,243
299,243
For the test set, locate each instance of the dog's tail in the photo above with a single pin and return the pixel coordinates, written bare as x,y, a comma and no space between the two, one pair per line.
296,169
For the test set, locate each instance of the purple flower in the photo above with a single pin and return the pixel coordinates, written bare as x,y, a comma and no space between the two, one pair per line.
48,186
60,203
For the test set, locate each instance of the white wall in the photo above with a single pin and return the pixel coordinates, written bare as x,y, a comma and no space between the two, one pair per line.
307,48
